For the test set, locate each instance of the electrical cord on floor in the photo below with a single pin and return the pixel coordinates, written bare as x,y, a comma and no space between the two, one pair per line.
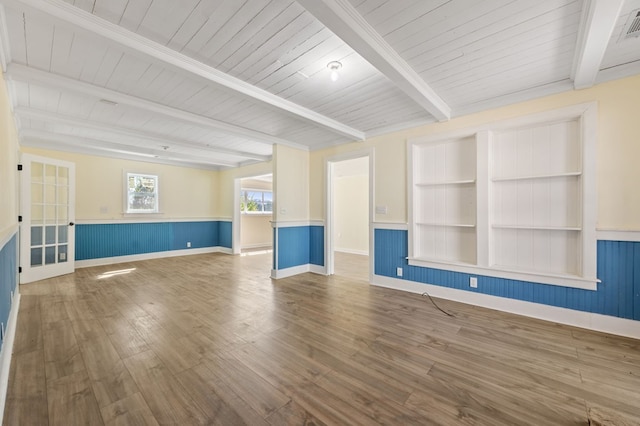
439,308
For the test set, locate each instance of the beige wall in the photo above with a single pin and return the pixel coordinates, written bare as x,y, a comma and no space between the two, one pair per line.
351,214
185,193
8,166
618,151
255,230
226,181
290,184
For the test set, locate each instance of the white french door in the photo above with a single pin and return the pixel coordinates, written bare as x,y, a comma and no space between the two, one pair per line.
47,233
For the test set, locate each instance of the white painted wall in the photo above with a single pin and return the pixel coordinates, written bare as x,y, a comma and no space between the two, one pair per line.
351,212
255,231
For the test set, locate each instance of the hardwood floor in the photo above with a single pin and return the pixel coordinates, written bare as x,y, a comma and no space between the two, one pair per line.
210,339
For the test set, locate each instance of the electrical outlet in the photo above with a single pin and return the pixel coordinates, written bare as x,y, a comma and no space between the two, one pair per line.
473,282
189,244
399,272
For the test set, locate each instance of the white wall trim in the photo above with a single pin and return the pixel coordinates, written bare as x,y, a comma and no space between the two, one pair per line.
297,270
351,251
149,220
147,256
590,321
397,226
618,235
7,350
266,246
295,223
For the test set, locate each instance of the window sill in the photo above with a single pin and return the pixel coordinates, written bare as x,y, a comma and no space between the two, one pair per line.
563,280
257,214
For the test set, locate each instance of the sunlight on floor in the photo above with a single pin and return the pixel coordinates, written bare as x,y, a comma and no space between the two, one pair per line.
255,252
115,273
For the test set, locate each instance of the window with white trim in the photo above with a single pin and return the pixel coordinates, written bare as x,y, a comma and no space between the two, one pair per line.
515,199
256,201
141,193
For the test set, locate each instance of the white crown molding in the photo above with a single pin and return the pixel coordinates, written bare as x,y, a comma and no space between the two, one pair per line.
345,21
598,20
115,34
27,74
63,146
53,118
31,135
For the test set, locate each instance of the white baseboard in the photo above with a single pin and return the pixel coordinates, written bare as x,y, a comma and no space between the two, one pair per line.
588,320
146,256
266,246
276,274
350,251
7,350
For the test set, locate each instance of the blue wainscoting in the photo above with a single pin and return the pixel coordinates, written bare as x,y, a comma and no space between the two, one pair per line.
617,295
300,245
8,278
95,241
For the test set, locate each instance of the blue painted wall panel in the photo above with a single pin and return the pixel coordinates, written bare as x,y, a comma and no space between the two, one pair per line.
618,293
225,234
299,245
8,278
200,234
94,241
293,246
316,245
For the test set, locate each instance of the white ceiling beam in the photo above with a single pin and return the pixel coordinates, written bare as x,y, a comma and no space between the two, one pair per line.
54,118
599,18
26,74
5,51
79,18
345,21
51,140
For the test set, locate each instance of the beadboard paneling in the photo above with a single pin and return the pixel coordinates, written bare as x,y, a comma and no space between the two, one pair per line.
618,293
299,245
94,241
8,279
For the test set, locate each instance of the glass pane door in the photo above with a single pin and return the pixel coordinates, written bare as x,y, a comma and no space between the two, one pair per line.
47,248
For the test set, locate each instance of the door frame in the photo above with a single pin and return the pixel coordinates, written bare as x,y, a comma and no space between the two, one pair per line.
24,204
236,241
329,202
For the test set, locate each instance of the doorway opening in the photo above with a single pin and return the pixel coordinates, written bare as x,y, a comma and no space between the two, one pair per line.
254,208
349,215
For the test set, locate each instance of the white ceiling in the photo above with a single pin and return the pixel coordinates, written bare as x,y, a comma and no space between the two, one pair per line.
215,83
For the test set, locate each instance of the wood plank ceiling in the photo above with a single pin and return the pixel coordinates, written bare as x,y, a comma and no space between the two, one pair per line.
215,83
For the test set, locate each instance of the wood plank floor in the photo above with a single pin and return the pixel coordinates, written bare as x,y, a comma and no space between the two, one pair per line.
210,339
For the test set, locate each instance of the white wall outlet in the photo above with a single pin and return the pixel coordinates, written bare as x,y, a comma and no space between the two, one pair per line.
473,282
188,244
283,211
399,272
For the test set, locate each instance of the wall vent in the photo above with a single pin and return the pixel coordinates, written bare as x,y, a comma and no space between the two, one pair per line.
632,28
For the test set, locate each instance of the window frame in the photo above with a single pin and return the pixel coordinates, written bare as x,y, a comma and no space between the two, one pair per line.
243,210
127,207
587,116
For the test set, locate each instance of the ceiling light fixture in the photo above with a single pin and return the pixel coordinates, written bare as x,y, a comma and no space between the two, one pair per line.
334,66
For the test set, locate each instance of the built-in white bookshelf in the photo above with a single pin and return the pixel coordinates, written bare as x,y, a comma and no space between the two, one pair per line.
537,197
514,199
444,179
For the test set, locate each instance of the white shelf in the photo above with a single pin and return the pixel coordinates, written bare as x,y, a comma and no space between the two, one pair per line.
451,225
451,182
538,228
530,177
